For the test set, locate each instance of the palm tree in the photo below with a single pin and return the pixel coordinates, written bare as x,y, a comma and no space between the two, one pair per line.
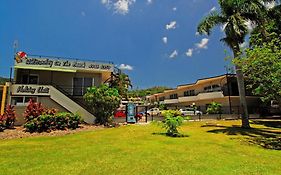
233,16
120,81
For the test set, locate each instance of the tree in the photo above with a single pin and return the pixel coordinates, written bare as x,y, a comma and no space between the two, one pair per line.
262,67
121,82
233,16
104,101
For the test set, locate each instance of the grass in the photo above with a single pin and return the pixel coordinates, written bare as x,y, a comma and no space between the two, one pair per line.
208,149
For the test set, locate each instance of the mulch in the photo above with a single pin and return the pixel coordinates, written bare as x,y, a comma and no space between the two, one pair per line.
19,132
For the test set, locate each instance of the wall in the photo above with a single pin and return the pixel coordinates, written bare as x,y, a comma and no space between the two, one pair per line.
46,102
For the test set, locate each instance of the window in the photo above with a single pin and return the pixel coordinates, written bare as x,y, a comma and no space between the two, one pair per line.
189,93
212,88
22,100
80,85
30,79
174,96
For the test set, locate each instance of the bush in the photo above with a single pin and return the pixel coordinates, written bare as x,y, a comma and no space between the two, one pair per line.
33,110
214,108
2,123
8,119
103,101
74,121
173,120
46,122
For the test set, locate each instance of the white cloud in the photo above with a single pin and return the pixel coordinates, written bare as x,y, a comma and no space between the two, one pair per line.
83,13
171,25
250,26
149,2
197,33
244,45
270,5
189,52
119,6
213,9
165,40
125,67
203,44
174,8
223,27
174,54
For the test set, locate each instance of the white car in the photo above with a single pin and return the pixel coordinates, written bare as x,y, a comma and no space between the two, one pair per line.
190,111
154,111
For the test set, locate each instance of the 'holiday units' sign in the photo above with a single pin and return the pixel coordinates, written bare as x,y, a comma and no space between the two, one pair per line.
18,89
54,63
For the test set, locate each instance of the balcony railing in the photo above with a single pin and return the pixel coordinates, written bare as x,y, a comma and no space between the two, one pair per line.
199,96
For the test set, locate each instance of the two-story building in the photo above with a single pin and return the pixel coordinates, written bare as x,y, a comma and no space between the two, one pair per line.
56,83
222,89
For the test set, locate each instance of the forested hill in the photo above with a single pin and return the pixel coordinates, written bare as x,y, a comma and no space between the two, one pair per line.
3,80
148,91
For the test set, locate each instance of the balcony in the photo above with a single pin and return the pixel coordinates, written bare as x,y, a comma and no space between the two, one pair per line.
171,101
201,96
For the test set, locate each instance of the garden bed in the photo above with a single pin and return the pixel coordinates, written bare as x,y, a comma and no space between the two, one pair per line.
19,132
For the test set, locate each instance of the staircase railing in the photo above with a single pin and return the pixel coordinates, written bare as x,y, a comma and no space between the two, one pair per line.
69,95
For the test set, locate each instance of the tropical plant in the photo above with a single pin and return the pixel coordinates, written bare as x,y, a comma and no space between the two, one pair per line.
172,121
234,16
262,66
214,108
10,116
121,82
103,101
33,110
48,122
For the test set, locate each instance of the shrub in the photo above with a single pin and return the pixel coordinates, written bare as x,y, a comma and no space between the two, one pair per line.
8,119
74,121
10,116
33,110
2,123
46,122
173,120
103,101
214,108
67,120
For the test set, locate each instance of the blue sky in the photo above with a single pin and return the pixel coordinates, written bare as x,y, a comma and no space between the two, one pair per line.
156,38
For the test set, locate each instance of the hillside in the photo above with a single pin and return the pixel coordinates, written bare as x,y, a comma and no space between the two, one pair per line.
3,80
148,91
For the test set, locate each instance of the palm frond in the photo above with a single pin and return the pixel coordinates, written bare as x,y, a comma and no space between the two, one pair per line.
209,22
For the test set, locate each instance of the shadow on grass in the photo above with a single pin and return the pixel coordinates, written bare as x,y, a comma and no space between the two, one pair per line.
256,136
268,123
174,136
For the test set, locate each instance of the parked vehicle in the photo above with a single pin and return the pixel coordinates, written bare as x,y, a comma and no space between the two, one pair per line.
190,111
122,113
119,113
154,111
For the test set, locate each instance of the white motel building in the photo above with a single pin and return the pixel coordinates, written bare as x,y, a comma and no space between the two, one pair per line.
222,89
58,83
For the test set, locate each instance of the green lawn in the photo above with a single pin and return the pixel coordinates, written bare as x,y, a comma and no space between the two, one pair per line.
136,150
